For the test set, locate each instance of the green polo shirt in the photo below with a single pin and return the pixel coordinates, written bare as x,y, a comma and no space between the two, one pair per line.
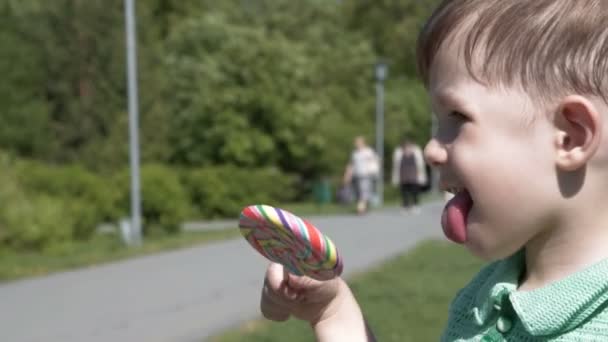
491,309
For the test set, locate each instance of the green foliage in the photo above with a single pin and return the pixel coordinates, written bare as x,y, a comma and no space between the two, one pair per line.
165,203
164,200
224,191
275,86
281,89
89,199
64,64
392,27
29,222
407,111
25,115
34,223
247,83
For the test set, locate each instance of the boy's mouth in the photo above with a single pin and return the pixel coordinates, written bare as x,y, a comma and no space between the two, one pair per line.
455,214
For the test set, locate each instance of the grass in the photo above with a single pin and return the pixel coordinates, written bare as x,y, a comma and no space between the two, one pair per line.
102,249
406,299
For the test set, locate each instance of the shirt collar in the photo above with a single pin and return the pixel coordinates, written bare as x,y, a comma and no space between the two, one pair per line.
556,308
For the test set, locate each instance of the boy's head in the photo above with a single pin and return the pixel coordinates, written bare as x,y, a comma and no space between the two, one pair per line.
520,91
546,47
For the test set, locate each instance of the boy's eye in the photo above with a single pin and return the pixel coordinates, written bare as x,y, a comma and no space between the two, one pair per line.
457,115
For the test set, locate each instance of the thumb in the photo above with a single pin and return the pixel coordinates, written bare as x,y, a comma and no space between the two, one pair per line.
276,277
273,304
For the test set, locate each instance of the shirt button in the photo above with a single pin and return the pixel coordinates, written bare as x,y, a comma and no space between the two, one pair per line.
504,324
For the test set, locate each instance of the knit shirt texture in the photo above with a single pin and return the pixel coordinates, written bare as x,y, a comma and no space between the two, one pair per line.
490,308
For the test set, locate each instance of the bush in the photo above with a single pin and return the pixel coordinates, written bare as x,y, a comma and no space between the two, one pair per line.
29,222
223,191
89,199
165,203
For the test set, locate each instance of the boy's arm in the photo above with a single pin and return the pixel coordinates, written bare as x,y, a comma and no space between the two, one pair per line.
343,321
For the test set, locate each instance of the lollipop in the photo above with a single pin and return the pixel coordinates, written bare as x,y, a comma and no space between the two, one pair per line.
291,241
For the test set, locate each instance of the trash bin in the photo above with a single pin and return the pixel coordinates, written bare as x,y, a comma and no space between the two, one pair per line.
322,191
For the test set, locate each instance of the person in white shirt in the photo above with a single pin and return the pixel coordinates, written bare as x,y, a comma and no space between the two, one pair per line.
362,169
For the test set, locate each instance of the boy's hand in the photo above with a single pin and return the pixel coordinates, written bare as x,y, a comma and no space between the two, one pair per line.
329,306
286,295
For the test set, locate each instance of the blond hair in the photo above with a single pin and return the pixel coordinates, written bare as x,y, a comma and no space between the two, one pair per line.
547,47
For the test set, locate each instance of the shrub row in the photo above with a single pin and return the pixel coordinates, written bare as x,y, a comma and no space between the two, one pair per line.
45,205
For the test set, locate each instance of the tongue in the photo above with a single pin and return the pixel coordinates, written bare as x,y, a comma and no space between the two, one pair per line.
454,217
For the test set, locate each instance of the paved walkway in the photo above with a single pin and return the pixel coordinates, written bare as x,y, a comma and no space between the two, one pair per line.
185,295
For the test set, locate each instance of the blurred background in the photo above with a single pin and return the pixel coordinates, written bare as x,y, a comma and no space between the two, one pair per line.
240,101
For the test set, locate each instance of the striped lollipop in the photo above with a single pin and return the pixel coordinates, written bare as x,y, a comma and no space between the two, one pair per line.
291,241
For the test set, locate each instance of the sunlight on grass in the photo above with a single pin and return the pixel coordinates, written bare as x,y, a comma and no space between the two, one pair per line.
405,299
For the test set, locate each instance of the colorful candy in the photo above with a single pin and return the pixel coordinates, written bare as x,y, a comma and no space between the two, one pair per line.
291,241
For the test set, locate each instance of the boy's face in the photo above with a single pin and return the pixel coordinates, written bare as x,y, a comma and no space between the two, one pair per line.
488,144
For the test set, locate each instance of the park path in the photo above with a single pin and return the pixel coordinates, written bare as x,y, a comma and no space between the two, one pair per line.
186,295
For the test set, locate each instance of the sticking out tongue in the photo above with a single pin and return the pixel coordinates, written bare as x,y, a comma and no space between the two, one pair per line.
454,217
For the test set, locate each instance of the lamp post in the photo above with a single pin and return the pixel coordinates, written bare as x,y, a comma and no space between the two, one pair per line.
133,123
381,74
434,173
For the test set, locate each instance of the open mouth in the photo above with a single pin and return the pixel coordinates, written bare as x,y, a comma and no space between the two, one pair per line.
455,215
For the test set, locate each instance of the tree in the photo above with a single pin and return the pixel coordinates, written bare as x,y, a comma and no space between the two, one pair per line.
392,26
258,92
73,72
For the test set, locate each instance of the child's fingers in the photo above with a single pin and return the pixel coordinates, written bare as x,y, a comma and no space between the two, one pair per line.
275,301
276,286
275,277
272,311
302,283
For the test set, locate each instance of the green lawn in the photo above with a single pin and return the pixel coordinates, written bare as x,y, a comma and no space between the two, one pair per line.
101,249
405,299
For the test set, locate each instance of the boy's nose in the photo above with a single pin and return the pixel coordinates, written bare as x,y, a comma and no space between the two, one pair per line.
435,153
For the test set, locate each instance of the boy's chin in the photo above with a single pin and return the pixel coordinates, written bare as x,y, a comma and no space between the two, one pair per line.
487,250
481,253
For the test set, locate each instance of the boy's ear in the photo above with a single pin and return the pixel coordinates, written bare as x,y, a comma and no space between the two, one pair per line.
578,132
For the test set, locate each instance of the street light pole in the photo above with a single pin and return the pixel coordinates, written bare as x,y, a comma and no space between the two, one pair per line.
133,121
381,73
434,173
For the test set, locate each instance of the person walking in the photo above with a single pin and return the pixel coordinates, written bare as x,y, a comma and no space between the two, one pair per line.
409,174
363,168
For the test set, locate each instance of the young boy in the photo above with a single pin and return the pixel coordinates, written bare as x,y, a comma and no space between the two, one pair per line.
520,90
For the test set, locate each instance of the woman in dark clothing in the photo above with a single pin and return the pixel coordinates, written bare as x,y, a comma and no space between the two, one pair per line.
411,174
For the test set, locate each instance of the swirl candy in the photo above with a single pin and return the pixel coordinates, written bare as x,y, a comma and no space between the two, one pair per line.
291,241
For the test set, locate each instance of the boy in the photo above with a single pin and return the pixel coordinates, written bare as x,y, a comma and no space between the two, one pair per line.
520,91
